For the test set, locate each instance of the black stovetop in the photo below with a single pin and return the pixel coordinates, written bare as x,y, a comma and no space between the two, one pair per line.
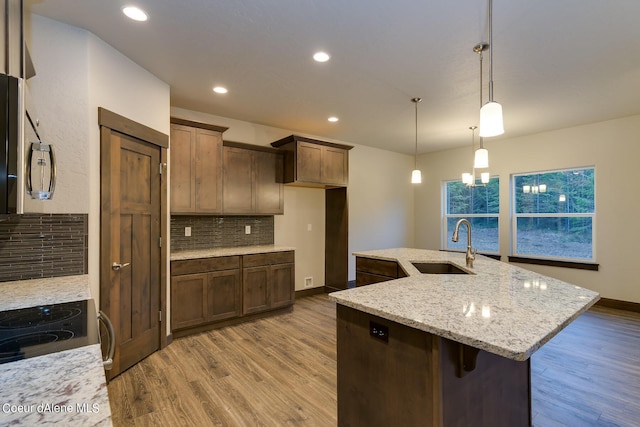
44,329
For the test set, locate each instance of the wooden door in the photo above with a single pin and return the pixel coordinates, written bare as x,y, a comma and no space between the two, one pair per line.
183,189
188,304
223,295
131,273
255,285
208,171
269,188
309,162
238,181
283,285
335,166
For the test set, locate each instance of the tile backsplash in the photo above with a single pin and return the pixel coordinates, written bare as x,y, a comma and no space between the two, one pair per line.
34,246
209,232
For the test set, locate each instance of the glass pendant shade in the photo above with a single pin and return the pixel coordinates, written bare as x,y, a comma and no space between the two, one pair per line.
481,159
491,119
416,176
467,178
485,177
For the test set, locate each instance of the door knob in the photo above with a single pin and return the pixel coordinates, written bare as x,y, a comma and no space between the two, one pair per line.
117,266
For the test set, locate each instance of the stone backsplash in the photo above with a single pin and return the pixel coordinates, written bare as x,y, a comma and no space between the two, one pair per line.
35,246
208,232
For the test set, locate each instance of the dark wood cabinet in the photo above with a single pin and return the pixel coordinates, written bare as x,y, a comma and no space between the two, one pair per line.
196,168
369,271
314,163
252,180
206,292
268,281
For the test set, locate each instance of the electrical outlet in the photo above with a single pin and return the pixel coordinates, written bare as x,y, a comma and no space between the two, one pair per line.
187,232
309,227
308,282
247,229
378,331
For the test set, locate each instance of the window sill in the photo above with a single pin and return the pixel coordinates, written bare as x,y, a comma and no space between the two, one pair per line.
554,263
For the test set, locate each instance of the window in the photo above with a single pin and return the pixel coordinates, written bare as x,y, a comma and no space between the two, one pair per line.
481,206
553,214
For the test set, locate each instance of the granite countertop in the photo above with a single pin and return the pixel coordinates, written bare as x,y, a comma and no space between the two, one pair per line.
217,252
501,308
67,387
29,293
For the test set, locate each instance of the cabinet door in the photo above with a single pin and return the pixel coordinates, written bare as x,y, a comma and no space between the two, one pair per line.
182,166
268,187
335,166
282,285
223,295
188,304
238,181
208,171
255,294
309,161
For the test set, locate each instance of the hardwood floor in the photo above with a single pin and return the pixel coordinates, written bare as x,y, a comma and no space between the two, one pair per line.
282,371
589,374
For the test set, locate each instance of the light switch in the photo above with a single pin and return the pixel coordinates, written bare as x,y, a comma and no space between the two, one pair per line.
187,232
247,229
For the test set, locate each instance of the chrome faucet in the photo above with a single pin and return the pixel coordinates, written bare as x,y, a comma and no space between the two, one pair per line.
471,253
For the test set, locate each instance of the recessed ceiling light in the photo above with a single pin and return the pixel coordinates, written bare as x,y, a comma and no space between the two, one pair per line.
333,119
220,89
321,56
135,13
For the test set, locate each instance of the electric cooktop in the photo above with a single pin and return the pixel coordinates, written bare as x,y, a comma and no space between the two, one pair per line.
44,329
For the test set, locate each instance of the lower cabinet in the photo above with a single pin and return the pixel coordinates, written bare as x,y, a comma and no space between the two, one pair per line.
268,281
369,271
209,290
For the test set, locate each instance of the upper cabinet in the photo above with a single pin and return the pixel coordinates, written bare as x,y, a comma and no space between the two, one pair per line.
313,163
252,180
196,167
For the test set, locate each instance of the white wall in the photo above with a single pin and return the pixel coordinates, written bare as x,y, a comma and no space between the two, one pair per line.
58,96
613,147
76,73
381,210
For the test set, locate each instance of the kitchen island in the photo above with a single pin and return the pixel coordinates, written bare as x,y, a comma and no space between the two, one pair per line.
446,349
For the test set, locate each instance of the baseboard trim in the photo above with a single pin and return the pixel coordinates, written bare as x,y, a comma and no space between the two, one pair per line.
179,333
618,304
309,292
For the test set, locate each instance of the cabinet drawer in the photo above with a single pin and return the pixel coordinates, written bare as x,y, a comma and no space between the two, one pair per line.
203,265
377,266
272,258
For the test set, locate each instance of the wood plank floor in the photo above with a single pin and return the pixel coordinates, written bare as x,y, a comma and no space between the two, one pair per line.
282,371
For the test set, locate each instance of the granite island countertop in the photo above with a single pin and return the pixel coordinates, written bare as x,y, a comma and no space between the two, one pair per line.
218,252
67,387
500,308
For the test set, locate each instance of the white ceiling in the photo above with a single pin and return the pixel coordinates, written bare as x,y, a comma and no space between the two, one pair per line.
556,63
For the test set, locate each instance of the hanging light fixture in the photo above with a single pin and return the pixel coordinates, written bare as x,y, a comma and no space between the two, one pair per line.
491,123
481,158
416,175
469,179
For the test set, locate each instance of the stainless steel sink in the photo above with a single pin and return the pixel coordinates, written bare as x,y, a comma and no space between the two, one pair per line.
439,268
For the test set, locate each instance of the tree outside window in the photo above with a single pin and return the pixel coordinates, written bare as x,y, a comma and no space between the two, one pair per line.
553,214
480,205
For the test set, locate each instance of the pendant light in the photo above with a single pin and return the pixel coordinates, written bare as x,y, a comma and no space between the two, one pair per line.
481,158
469,179
416,175
491,123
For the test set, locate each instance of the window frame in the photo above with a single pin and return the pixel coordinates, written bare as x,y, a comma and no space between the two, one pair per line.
445,237
572,262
